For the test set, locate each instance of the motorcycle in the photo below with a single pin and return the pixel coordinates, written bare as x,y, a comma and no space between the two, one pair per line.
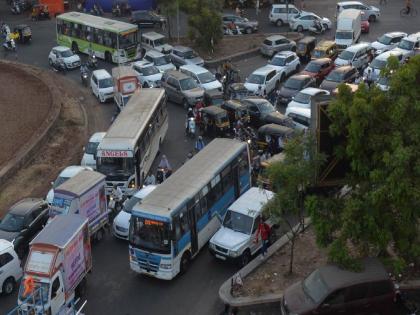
84,75
317,28
10,45
92,61
162,174
191,127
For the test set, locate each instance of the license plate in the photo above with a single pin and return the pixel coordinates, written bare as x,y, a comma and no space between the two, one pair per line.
220,257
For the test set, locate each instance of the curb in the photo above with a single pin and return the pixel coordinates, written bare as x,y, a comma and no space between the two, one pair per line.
225,289
249,53
27,152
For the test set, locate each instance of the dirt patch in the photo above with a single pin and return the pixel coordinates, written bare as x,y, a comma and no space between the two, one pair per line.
271,277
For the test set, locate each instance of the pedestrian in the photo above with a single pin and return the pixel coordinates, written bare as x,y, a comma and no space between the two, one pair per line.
369,78
264,232
199,144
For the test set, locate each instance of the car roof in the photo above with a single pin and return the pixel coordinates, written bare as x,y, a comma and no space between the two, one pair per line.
321,60
395,34
182,48
312,91
255,99
274,37
5,246
142,63
306,112
356,47
252,201
335,277
25,205
177,74
71,170
343,68
387,54
349,2
153,35
61,48
97,137
284,53
263,70
194,68
143,192
300,76
154,53
101,74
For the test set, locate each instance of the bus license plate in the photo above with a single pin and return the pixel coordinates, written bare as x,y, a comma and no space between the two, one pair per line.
220,257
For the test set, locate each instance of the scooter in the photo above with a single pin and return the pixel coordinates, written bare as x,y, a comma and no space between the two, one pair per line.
84,75
317,28
162,174
92,61
191,127
10,45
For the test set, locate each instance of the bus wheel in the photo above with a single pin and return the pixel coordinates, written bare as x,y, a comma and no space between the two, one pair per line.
108,57
75,47
185,261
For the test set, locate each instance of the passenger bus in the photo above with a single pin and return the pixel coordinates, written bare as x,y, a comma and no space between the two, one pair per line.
111,40
128,149
170,226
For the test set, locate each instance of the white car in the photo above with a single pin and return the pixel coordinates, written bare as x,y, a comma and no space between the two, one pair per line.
380,62
122,220
70,59
370,11
263,80
89,155
387,42
285,63
408,45
383,83
306,20
304,98
10,270
148,75
102,85
159,60
64,175
202,76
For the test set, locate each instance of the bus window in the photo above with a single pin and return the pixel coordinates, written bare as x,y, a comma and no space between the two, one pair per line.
227,181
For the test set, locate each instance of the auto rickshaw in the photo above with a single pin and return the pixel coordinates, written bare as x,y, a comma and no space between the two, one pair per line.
325,49
273,137
23,33
214,121
40,12
236,111
305,46
262,179
237,91
213,97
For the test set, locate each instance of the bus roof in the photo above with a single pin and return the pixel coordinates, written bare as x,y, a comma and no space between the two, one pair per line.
98,22
129,124
190,178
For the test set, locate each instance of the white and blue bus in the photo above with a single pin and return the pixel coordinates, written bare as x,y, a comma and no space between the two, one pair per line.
171,225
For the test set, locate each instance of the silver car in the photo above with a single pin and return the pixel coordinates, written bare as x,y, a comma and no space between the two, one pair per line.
244,25
182,55
368,10
276,43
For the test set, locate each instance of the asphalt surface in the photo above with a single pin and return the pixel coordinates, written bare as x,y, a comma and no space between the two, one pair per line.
112,287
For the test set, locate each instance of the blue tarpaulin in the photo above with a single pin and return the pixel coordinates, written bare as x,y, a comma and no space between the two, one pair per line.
135,4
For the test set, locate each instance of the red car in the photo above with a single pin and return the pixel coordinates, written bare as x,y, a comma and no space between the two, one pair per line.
319,68
365,24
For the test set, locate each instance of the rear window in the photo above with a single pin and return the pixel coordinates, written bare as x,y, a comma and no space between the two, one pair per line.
268,42
381,288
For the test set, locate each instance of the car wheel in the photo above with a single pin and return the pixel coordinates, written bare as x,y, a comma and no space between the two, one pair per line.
279,23
248,30
185,262
300,29
325,27
8,286
145,85
372,18
245,258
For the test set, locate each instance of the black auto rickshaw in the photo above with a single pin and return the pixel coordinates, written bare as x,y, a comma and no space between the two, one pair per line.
23,33
237,91
40,12
214,121
273,137
213,97
236,111
305,46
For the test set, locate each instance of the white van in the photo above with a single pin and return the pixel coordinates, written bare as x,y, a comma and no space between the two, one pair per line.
279,14
156,41
356,56
202,76
89,155
102,85
10,270
348,28
235,240
301,117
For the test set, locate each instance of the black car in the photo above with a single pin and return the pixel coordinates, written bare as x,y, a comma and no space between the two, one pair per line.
344,74
147,18
23,221
293,85
262,112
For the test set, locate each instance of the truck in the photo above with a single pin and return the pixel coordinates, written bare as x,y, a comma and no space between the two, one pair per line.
125,84
83,194
55,273
348,29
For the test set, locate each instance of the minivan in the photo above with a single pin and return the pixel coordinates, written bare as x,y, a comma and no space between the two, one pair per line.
156,41
89,155
102,85
202,76
357,56
279,14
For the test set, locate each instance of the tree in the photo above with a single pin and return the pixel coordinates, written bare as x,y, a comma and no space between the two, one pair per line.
169,8
291,180
382,207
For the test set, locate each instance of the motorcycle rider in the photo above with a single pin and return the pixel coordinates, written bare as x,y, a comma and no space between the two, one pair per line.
164,164
117,192
83,70
190,114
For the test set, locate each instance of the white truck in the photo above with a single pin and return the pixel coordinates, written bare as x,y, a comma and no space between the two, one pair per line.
83,194
349,28
56,269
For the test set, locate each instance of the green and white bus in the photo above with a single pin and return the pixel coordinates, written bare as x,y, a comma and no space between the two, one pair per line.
111,40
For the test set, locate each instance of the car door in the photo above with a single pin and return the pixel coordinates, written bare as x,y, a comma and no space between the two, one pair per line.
94,84
325,69
255,246
357,300
290,65
309,21
334,304
270,81
177,89
6,268
170,89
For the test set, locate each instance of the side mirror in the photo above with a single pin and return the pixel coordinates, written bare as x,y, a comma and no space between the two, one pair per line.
52,183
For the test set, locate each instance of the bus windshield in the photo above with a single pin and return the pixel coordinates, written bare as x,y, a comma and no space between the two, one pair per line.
151,235
116,168
127,40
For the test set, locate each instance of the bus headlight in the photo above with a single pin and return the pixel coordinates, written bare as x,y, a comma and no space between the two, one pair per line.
166,266
132,184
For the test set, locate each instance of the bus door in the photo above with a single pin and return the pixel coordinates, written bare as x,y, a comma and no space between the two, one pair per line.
236,180
193,206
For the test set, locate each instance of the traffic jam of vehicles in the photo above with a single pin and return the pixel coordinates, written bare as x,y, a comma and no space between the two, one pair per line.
125,184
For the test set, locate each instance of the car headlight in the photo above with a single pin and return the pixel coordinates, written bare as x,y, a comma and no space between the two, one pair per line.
234,253
132,184
166,265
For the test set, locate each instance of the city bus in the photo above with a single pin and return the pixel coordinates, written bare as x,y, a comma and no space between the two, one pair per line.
128,149
111,40
170,226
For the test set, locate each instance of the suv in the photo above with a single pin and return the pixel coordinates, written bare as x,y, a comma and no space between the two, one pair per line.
370,11
10,270
331,290
387,42
159,60
156,41
285,63
244,25
149,76
264,79
275,43
181,88
202,76
147,18
279,15
408,45
182,55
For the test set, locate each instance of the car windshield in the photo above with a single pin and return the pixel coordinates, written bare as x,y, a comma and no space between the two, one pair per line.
302,98
116,168
256,79
161,61
266,107
127,40
149,70
313,67
293,84
188,84
378,63
346,55
59,181
12,223
238,222
278,61
130,203
159,42
38,299
91,148
206,77
190,54
268,42
406,44
105,83
319,53
66,53
150,235
343,35
315,287
384,39
335,76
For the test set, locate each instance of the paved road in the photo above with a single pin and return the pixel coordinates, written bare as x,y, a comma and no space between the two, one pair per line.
113,288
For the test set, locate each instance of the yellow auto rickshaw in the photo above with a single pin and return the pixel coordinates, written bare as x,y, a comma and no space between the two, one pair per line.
22,33
305,46
325,49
